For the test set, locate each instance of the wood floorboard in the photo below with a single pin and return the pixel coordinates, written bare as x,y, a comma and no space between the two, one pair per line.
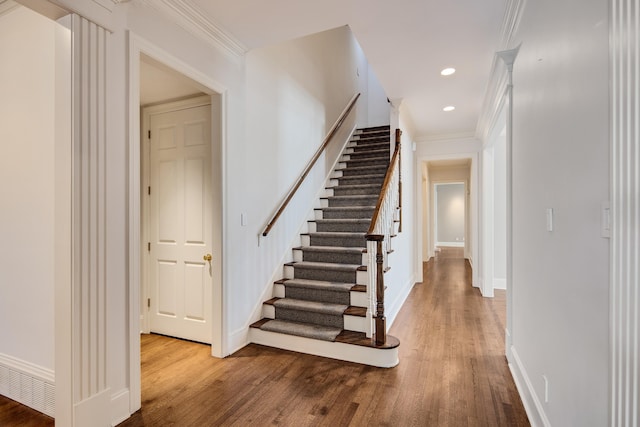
452,372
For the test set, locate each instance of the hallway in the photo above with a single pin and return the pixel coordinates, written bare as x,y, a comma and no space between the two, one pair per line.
452,372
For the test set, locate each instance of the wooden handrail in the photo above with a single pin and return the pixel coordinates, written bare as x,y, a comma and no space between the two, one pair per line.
313,161
385,185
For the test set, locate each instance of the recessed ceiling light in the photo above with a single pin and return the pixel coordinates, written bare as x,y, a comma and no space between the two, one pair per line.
448,71
449,108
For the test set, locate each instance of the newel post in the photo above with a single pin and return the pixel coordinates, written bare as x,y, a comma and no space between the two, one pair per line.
381,321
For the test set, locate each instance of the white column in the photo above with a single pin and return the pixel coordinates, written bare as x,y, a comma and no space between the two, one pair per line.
90,396
625,212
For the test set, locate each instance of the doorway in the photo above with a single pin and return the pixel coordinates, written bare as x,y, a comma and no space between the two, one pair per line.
158,78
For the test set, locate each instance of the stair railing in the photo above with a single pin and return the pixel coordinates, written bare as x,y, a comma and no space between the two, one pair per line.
327,139
382,228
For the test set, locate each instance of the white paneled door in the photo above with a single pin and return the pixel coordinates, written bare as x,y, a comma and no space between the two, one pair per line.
180,218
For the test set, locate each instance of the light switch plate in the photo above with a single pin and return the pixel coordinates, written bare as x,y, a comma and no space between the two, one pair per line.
549,219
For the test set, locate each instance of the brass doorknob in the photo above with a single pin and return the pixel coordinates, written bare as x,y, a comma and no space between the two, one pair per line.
207,257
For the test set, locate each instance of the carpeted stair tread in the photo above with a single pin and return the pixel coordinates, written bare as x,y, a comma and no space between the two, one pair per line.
352,197
347,212
362,170
372,176
352,200
375,188
378,152
346,208
342,224
319,332
319,284
311,306
337,238
341,249
325,266
366,160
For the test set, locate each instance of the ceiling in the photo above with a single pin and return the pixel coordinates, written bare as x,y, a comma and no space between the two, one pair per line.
407,42
159,83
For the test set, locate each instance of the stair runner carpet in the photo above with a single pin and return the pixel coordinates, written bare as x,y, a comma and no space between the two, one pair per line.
319,294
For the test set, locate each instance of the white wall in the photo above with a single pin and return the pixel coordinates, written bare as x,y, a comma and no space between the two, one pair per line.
27,97
561,161
405,268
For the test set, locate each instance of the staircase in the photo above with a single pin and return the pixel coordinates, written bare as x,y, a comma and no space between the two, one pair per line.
320,306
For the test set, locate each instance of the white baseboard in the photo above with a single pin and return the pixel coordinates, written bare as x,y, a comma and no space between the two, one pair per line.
28,384
120,407
93,411
238,339
499,283
382,358
532,405
396,305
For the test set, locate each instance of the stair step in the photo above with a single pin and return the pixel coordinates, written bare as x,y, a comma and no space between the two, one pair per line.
319,332
312,312
334,272
370,153
331,254
310,306
356,189
322,285
346,212
352,200
367,161
360,225
336,238
354,147
321,290
385,128
363,170
376,178
374,132
373,138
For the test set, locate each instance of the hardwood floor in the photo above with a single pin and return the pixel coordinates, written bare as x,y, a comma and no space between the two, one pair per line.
452,372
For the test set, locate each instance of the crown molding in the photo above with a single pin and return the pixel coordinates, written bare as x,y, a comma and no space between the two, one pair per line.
498,80
191,18
7,6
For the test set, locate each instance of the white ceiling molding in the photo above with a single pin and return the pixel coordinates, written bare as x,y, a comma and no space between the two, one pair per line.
190,18
7,6
497,85
511,21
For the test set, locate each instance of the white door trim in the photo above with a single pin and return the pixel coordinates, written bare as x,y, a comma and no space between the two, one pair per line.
472,223
138,46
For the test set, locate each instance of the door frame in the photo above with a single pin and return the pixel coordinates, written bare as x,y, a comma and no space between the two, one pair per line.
218,93
472,209
434,208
